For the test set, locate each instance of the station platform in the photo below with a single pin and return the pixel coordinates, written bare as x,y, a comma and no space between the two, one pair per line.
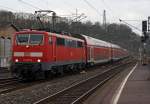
130,87
137,87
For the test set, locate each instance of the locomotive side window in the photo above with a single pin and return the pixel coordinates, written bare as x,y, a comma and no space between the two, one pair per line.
60,41
70,43
67,42
79,44
73,43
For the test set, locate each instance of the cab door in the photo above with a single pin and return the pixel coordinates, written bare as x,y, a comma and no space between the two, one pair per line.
54,48
91,54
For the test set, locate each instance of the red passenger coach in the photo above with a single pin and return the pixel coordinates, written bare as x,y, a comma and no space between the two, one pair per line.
98,51
118,52
39,52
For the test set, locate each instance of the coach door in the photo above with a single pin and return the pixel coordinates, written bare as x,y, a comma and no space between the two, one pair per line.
54,48
91,54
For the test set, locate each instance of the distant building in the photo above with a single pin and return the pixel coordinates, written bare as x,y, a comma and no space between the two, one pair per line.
7,31
6,35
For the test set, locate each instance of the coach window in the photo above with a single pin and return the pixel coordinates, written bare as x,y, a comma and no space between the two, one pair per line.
60,41
50,40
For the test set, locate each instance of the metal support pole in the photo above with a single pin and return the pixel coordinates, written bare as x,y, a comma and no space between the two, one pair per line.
53,20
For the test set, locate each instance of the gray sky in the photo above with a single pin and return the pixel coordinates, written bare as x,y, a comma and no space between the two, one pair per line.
115,9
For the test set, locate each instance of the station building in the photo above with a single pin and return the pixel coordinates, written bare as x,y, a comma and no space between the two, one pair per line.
6,35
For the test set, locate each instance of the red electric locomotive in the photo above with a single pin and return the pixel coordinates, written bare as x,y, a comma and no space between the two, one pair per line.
36,52
39,53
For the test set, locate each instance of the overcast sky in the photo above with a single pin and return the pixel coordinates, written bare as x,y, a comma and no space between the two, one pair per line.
115,9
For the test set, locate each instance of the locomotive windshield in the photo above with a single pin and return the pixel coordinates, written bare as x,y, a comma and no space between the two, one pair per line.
29,39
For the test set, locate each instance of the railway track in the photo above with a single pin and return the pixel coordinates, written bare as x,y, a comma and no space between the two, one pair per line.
7,84
12,84
7,81
75,94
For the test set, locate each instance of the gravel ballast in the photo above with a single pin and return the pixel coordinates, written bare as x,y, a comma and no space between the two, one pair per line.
34,93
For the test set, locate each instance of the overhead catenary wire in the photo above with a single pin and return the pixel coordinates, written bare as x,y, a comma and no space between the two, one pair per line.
133,20
91,6
114,13
130,25
121,20
10,9
110,10
29,4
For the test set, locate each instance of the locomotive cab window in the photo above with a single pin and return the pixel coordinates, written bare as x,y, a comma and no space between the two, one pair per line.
29,39
22,39
36,39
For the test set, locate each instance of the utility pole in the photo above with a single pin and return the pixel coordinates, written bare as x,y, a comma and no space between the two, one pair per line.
104,19
53,21
76,15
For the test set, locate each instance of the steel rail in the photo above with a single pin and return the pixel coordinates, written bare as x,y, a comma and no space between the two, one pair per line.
74,93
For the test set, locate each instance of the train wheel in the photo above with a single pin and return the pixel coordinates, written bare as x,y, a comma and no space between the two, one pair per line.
60,71
75,68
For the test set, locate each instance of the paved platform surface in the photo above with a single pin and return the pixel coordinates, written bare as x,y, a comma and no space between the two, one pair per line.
137,88
135,91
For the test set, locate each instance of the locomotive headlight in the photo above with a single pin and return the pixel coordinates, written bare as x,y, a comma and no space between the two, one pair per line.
16,60
38,60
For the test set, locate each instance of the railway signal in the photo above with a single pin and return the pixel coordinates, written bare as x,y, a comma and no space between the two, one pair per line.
148,23
144,26
144,30
144,38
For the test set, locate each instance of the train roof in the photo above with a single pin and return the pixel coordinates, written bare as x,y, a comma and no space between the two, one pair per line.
95,42
114,45
65,36
77,37
98,42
